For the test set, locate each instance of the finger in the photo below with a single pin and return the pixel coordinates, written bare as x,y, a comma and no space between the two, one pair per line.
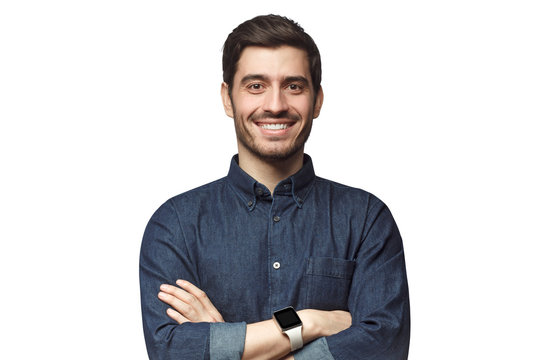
202,296
180,294
185,297
176,316
189,287
185,309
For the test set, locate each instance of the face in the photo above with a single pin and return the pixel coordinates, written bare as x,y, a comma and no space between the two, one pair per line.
272,102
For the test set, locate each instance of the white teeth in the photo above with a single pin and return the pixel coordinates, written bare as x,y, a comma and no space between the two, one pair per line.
274,126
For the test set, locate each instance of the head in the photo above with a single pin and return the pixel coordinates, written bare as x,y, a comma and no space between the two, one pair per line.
270,31
271,86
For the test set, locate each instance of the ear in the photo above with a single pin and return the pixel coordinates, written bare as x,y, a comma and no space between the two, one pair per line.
226,99
318,103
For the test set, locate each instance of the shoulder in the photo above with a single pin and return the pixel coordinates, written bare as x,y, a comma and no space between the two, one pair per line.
192,199
200,192
347,194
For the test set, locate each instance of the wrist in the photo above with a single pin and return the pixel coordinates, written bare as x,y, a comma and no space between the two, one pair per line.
290,324
311,329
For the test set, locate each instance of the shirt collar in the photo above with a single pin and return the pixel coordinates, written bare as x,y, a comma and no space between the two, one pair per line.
297,185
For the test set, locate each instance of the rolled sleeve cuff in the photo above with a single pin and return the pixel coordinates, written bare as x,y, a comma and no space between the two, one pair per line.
317,349
227,340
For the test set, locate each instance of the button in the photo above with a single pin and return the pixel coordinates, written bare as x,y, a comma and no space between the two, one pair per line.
286,186
250,203
259,191
276,265
276,218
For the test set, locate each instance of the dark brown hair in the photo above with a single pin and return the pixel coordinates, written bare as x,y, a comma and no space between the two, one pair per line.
269,31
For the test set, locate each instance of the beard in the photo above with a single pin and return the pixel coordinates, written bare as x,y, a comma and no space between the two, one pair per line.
277,153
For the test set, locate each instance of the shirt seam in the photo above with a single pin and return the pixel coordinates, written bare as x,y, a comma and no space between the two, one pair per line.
183,236
370,209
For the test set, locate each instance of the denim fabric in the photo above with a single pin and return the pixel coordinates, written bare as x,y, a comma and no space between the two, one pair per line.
223,338
317,349
313,244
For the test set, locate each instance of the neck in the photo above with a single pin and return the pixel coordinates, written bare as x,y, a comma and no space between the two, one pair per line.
269,172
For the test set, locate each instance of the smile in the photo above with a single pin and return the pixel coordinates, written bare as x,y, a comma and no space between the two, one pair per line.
274,126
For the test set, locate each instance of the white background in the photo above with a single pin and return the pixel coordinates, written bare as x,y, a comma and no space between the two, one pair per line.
108,108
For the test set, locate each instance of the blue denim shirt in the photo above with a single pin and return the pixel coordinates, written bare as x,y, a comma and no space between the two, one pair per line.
314,244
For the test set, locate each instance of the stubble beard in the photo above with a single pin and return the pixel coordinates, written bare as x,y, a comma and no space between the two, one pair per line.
248,142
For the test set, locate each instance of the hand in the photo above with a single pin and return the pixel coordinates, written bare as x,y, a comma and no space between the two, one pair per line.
189,303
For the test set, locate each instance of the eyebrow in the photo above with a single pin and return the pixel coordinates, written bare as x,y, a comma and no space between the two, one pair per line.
299,79
251,77
288,79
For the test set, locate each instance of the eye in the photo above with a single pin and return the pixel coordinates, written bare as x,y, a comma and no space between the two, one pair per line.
296,88
255,87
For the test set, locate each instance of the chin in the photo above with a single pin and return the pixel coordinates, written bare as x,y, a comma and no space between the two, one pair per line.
276,155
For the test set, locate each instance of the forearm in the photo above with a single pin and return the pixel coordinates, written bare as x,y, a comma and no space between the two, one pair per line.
265,341
177,342
371,341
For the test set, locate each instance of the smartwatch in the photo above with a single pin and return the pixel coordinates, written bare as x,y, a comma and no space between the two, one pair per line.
289,323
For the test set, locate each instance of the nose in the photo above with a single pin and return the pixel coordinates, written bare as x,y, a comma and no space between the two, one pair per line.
275,101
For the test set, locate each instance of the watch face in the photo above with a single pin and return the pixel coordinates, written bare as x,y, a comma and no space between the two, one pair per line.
287,318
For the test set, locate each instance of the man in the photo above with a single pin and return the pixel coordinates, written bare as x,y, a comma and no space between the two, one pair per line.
222,265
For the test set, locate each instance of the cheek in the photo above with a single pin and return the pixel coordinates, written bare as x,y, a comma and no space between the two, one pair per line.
303,106
246,106
301,101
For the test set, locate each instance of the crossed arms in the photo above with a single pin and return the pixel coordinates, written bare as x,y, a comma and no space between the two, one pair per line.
263,339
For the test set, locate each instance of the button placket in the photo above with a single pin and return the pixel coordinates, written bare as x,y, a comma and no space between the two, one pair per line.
276,242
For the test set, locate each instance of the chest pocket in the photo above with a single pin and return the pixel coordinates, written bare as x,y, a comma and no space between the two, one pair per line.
328,283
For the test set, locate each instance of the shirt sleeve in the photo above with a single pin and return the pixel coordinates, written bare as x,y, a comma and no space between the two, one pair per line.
378,298
317,349
164,258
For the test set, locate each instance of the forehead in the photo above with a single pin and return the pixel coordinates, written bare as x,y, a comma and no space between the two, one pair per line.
277,62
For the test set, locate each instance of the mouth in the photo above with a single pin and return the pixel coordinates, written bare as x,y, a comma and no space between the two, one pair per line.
275,124
267,126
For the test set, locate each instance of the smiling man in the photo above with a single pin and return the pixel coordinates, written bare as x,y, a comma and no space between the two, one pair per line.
271,261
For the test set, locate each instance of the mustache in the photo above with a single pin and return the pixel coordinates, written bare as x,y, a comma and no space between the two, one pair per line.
269,115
